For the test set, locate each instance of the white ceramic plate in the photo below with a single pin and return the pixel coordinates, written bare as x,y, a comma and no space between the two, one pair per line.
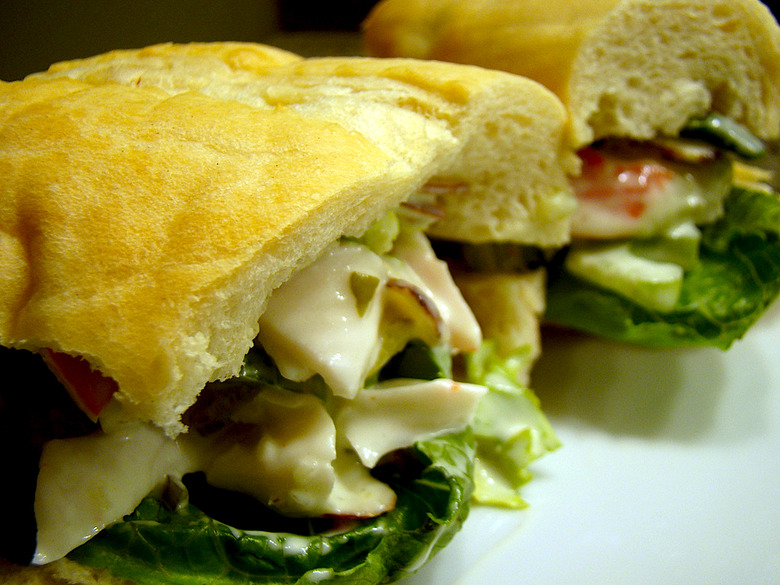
669,473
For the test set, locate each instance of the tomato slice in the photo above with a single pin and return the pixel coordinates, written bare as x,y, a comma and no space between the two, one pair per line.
615,195
89,389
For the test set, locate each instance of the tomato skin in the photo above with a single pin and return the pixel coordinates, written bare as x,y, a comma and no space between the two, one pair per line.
89,389
616,194
591,158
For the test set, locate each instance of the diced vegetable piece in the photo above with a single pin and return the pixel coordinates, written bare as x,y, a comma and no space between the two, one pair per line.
679,245
654,285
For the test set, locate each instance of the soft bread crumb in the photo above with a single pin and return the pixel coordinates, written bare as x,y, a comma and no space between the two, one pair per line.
651,65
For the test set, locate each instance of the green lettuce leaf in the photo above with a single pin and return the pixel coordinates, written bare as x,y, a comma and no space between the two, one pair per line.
510,428
737,278
157,545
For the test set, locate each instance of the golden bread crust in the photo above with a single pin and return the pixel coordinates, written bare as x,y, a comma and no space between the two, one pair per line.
509,176
147,230
622,67
533,38
512,152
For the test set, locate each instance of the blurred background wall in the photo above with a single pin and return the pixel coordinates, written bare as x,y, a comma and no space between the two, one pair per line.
36,33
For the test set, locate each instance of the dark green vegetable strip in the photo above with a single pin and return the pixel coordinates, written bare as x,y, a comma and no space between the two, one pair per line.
724,132
736,280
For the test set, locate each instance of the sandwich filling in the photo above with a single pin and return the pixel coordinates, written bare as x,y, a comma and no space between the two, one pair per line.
635,231
351,366
303,450
674,240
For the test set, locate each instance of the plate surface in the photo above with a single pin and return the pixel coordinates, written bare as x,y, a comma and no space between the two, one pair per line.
669,472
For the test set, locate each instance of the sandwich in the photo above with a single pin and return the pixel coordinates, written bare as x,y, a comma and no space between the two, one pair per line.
240,359
672,107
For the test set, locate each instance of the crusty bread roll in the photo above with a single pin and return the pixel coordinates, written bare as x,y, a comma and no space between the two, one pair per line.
634,68
198,195
185,204
507,182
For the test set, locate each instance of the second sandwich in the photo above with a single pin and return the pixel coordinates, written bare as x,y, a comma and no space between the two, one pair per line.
675,241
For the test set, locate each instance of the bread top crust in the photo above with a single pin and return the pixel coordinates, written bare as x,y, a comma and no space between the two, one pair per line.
508,176
150,206
633,68
236,56
507,182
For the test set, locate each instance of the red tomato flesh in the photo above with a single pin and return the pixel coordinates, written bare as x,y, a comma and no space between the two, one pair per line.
615,194
89,389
